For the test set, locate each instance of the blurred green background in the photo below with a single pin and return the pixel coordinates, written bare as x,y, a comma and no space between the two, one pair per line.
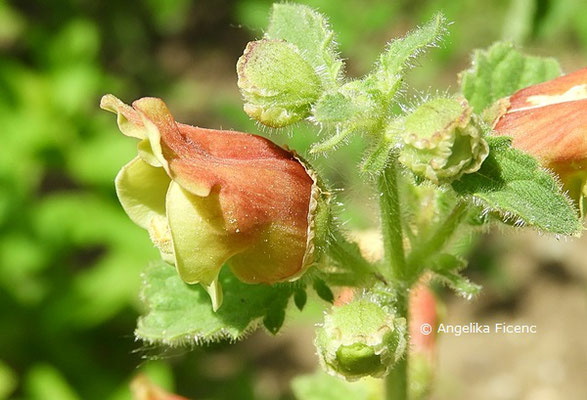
70,259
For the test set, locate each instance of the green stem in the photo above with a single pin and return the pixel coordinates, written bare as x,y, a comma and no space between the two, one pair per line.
396,383
439,238
391,224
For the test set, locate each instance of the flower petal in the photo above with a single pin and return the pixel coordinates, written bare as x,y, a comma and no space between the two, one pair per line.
200,242
128,120
141,189
549,121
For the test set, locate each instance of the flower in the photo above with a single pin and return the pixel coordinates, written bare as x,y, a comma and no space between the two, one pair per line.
209,197
442,140
549,121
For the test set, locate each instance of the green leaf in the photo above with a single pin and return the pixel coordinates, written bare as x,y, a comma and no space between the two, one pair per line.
459,284
357,107
309,31
448,262
300,298
323,291
500,71
8,380
181,314
514,185
321,386
401,53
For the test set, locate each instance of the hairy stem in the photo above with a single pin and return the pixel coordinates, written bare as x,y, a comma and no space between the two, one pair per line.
396,383
391,224
437,240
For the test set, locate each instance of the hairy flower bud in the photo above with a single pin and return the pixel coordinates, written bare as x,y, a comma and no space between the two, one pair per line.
278,85
442,140
549,121
360,339
209,197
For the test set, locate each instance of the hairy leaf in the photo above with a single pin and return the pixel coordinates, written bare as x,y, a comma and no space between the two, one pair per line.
309,31
181,314
514,185
459,284
321,386
500,71
401,52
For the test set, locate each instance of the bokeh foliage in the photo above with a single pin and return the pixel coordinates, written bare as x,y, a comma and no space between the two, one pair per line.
70,260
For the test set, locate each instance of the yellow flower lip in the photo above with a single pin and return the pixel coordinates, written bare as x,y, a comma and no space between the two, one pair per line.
210,197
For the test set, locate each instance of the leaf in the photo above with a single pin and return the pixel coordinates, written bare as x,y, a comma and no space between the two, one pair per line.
181,314
500,71
448,262
401,52
300,298
321,386
460,284
323,291
514,185
309,31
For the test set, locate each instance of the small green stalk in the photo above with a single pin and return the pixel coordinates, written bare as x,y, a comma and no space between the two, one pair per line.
396,382
391,224
437,240
395,265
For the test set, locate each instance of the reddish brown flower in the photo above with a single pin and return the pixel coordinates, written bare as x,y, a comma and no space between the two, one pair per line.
209,197
549,121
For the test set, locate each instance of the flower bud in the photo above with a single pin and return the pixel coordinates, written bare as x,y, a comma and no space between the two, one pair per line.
549,121
209,197
360,339
443,140
278,85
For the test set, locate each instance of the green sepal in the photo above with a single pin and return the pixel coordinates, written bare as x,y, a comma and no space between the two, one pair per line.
323,291
308,30
274,319
300,298
500,71
277,84
180,314
512,185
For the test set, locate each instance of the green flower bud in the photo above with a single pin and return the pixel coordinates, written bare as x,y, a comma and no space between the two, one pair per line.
278,85
443,140
360,339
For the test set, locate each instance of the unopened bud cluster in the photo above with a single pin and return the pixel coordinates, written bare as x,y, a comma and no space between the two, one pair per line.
360,339
442,140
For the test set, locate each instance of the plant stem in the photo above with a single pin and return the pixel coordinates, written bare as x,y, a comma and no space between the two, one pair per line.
439,238
396,383
391,226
